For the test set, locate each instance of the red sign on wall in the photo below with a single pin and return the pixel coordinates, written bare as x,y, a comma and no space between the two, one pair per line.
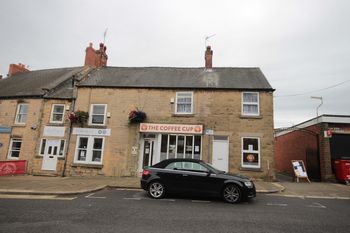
13,167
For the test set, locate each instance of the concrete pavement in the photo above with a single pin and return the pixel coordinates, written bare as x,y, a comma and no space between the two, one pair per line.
27,184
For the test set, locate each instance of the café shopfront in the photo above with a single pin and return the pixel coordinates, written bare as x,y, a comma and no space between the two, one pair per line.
166,141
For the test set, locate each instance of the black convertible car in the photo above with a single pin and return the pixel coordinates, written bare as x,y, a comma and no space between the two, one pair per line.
194,176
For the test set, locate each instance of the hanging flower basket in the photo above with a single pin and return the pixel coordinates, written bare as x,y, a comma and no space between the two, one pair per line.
78,117
137,116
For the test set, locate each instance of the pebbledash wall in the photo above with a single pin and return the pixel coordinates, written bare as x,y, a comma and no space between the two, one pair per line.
123,146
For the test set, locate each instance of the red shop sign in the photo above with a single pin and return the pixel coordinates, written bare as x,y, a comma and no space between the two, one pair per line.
13,167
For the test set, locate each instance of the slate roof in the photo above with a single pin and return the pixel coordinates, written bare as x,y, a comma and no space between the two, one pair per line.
52,82
179,78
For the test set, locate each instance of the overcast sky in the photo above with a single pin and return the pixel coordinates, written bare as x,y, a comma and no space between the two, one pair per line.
300,45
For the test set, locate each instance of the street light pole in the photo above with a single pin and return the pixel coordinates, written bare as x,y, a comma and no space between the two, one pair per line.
318,98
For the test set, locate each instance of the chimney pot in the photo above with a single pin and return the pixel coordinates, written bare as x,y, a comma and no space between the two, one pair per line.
208,58
96,58
17,68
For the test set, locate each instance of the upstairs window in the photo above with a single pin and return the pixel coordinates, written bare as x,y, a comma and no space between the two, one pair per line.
97,114
15,148
184,103
250,104
57,113
21,114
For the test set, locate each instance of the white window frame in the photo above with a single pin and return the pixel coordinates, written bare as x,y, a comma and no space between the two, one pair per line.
17,114
91,113
250,151
64,147
176,102
89,149
52,112
250,103
10,148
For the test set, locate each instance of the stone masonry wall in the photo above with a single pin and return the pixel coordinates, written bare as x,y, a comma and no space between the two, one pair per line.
217,110
28,131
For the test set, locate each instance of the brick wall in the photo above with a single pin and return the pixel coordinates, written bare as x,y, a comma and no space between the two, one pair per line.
293,146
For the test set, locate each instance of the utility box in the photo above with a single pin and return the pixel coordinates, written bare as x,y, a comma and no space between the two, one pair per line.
342,169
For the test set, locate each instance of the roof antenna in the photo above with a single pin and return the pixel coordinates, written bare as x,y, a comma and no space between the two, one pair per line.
104,36
207,38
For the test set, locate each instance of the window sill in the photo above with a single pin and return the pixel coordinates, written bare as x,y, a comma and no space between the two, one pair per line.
250,169
250,117
41,156
19,125
96,126
55,124
182,115
87,165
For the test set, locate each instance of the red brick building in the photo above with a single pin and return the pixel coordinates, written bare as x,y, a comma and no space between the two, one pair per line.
317,142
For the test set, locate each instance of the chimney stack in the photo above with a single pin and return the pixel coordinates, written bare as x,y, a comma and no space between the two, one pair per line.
208,58
96,58
17,68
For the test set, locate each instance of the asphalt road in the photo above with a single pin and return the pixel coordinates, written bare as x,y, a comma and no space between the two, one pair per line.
132,211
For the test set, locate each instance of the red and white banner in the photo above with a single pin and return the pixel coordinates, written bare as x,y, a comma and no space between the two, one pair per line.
13,167
171,128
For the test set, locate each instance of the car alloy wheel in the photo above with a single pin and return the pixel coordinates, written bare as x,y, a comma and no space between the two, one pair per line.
156,190
232,193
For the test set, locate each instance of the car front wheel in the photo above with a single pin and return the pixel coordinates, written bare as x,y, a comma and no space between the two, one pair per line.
156,190
232,193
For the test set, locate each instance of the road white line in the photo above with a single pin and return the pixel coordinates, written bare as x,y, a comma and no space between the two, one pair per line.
132,198
36,197
200,201
317,205
310,197
168,200
276,204
126,189
90,196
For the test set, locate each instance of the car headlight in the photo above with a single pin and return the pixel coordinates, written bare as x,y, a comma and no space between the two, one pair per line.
248,184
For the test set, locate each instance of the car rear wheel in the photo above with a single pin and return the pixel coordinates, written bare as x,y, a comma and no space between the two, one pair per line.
156,190
232,193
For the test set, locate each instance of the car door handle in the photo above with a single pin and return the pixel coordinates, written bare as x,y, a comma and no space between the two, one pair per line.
184,175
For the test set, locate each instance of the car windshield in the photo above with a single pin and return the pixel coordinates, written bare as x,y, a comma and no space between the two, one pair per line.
213,168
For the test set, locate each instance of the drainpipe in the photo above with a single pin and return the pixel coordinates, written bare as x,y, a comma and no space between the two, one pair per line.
70,127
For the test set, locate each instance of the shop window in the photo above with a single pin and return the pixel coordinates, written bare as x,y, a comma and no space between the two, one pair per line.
184,103
89,150
43,147
97,114
180,146
57,113
250,104
15,148
21,114
250,152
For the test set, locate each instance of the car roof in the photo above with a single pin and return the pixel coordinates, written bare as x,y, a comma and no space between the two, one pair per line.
165,162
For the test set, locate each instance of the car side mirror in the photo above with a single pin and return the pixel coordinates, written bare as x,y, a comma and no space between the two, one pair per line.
209,173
